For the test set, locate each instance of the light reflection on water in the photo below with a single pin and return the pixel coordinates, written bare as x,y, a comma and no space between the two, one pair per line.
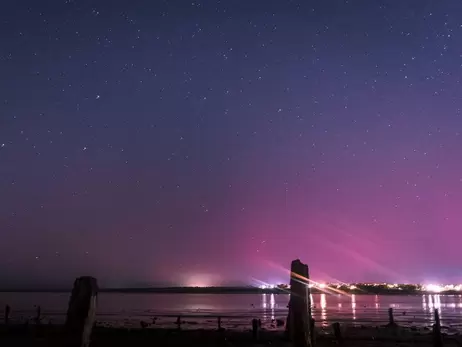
353,306
323,304
268,305
363,309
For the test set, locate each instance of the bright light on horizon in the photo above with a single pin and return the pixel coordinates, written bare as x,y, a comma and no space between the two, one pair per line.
202,280
435,288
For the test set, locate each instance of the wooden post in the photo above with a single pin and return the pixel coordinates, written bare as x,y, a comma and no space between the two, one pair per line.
81,312
178,322
255,329
298,327
219,323
437,337
7,314
38,317
391,319
337,332
312,331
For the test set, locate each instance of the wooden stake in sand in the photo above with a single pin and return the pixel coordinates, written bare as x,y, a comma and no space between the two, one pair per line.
391,318
299,319
81,312
38,317
219,323
337,332
255,329
437,338
7,314
312,332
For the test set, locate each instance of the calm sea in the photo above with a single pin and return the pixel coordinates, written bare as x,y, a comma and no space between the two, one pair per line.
237,310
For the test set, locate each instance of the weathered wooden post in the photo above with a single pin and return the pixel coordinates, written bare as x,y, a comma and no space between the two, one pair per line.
437,337
7,314
337,332
81,312
178,322
219,323
255,329
38,316
312,331
391,319
298,327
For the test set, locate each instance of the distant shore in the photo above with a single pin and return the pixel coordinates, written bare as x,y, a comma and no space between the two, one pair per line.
366,290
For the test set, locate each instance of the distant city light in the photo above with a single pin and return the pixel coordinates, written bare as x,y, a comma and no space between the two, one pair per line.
435,288
430,288
201,280
373,287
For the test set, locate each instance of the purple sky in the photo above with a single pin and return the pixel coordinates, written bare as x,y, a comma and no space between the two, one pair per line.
206,142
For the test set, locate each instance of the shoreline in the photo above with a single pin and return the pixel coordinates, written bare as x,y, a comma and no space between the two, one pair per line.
238,290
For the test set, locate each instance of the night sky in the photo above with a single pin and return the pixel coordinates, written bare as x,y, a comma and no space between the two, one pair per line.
212,142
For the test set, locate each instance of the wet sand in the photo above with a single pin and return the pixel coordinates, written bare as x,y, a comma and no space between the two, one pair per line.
47,335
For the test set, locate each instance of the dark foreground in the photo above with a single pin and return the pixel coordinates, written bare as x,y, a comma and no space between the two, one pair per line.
51,336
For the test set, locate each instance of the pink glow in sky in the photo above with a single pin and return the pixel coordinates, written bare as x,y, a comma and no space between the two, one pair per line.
157,143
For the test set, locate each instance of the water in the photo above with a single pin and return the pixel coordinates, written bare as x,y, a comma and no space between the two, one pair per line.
237,310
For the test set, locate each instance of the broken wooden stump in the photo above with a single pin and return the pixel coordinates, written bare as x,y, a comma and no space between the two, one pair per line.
337,332
81,312
298,327
391,318
255,329
219,323
38,317
312,331
7,314
437,337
